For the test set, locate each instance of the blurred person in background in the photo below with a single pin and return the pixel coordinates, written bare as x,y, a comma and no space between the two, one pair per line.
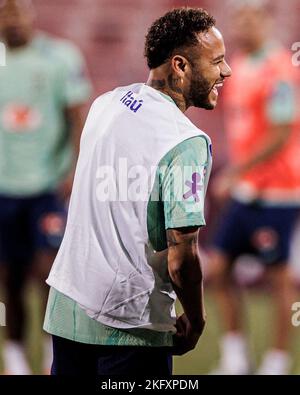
42,91
262,181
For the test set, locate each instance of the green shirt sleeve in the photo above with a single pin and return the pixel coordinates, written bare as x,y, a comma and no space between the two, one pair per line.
183,182
76,87
281,106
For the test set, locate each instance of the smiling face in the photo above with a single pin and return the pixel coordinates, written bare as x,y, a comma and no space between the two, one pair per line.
208,70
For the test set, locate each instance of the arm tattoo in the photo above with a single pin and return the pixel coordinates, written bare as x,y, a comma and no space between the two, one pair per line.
171,239
188,239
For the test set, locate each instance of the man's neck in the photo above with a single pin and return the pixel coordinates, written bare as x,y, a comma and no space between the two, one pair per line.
21,45
16,48
169,85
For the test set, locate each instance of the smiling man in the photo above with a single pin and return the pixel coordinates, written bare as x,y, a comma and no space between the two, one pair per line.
123,261
193,76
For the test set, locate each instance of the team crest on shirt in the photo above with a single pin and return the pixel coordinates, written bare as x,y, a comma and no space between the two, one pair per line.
18,118
265,239
52,226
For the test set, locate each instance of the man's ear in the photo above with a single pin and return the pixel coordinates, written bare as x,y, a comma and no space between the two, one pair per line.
179,65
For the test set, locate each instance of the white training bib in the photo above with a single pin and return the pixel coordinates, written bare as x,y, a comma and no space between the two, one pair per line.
106,263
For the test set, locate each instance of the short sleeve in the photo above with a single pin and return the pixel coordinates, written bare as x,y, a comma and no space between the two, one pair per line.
184,174
76,87
281,104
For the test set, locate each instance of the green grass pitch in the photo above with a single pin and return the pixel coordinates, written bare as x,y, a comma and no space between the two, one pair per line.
258,321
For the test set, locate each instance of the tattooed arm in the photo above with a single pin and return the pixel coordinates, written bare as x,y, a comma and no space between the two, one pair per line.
186,276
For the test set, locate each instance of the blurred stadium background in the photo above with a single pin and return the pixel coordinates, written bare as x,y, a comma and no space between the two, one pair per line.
111,34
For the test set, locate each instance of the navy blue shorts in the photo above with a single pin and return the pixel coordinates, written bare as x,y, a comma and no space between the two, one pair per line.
259,230
72,358
28,225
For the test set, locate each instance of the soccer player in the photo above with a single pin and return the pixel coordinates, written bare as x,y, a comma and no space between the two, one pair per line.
136,208
263,182
42,90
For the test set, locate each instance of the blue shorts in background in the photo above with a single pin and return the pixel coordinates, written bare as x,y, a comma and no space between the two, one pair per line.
263,231
28,225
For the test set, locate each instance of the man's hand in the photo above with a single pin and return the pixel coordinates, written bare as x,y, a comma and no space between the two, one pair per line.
186,338
276,139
